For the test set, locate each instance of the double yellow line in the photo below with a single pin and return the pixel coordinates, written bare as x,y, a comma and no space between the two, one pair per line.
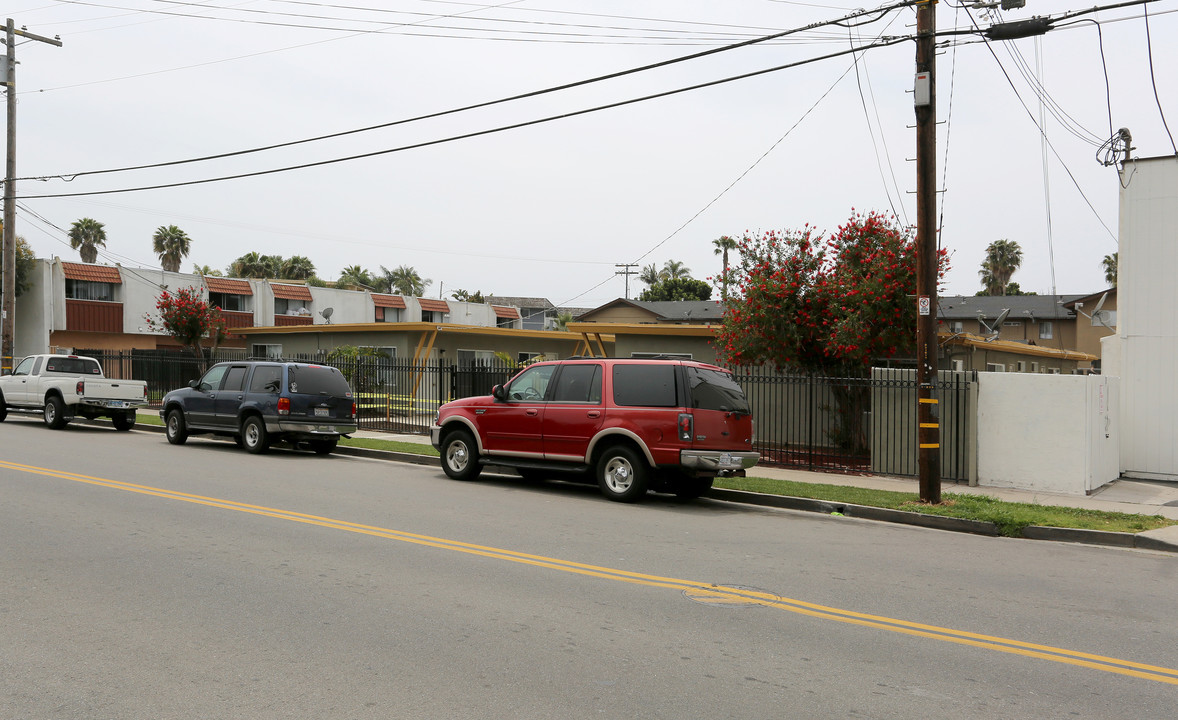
705,592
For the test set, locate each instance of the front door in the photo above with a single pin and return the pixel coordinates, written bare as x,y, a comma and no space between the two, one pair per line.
199,401
513,426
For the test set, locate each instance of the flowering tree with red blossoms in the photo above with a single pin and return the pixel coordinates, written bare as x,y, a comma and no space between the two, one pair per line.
188,318
828,306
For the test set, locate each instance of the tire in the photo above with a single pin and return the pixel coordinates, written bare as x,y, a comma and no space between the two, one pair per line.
175,427
324,447
254,437
622,474
55,413
689,488
124,421
3,409
460,459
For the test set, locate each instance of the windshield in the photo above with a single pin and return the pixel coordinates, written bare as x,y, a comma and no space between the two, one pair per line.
715,390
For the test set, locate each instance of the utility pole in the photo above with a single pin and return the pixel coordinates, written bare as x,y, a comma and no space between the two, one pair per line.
928,433
627,272
8,306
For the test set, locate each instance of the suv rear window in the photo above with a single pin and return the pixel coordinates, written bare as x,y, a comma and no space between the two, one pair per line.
644,385
318,380
715,390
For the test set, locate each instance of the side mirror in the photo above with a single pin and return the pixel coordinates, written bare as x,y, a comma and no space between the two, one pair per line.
499,393
194,383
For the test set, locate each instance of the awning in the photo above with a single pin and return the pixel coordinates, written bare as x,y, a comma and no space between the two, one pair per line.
92,273
388,301
506,313
291,292
227,286
433,305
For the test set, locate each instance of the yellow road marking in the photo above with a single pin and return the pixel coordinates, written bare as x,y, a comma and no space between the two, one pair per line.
695,589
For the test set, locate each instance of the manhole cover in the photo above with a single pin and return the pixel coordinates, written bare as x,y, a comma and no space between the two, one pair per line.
731,596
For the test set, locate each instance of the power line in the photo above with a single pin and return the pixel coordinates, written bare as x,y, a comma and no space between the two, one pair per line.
490,103
479,133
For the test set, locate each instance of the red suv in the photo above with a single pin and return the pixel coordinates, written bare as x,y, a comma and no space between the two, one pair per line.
632,425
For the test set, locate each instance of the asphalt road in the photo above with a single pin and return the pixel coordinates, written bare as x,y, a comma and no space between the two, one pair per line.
142,580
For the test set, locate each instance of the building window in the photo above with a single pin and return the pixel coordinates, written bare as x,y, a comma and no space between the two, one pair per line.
89,290
387,314
381,350
265,351
1046,330
505,322
282,306
956,326
227,301
433,316
995,367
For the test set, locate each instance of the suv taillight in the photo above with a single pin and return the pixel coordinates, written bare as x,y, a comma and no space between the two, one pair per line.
284,406
353,409
80,388
685,426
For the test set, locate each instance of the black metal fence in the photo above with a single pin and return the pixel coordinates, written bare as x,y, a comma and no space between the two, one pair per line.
808,422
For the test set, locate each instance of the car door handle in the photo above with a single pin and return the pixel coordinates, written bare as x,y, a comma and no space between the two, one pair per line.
593,413
532,411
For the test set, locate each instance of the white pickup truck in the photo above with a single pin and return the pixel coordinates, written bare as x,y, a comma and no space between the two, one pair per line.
63,387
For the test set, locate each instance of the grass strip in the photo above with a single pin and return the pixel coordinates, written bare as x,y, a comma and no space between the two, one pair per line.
1009,517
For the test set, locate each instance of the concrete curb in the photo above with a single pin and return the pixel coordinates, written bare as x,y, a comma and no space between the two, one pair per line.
1140,541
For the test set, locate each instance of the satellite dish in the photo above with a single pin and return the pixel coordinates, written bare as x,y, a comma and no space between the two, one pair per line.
1099,317
326,313
992,331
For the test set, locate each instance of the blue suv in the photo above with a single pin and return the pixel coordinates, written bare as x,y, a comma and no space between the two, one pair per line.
258,402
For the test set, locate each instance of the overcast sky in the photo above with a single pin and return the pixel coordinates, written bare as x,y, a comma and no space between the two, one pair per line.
550,209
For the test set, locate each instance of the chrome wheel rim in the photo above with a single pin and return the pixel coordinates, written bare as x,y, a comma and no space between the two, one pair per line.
50,412
457,456
619,475
251,434
173,424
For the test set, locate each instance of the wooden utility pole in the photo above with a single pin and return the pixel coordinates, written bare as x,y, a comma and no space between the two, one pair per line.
927,411
8,305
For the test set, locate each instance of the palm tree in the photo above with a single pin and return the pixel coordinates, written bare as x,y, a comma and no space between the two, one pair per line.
406,281
86,235
297,267
721,246
1110,269
205,270
273,265
171,244
650,275
1003,258
250,265
561,321
354,275
467,296
674,269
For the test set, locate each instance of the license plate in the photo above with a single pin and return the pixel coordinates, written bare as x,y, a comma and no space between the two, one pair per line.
322,412
725,459
115,403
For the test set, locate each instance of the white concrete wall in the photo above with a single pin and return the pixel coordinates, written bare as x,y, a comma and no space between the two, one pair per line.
1147,322
142,287
35,312
1051,433
348,306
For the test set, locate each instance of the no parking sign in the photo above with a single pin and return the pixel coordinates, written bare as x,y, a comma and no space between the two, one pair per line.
923,306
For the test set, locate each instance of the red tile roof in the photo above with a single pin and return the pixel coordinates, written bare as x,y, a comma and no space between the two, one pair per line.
93,273
388,301
228,286
507,313
433,305
291,292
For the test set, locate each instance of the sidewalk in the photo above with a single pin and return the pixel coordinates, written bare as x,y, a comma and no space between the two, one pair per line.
1127,496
